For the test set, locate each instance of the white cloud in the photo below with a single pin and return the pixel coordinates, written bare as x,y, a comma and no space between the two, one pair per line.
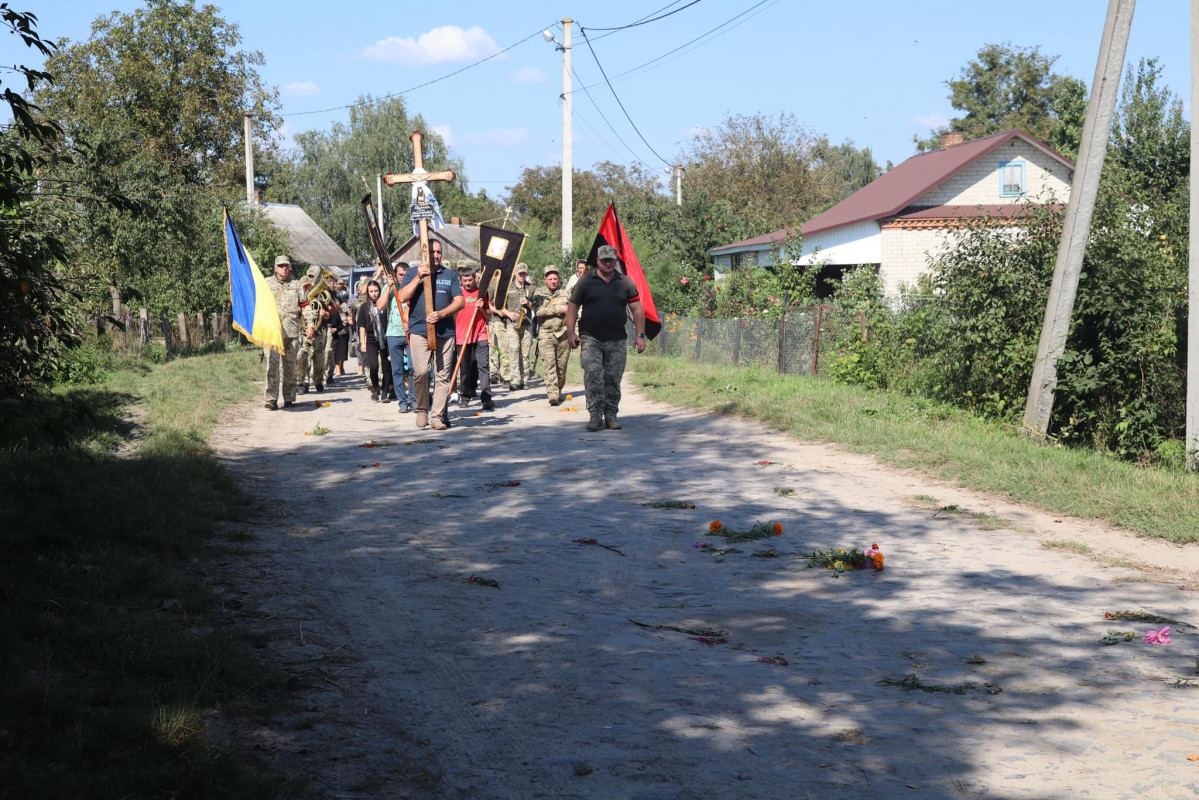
529,75
447,43
301,89
446,134
930,122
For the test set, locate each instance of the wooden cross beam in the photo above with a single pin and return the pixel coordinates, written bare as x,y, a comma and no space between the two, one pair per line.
420,213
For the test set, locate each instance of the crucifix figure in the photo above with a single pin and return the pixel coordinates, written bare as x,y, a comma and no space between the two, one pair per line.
422,212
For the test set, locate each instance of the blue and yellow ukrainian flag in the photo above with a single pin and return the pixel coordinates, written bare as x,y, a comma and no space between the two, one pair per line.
255,313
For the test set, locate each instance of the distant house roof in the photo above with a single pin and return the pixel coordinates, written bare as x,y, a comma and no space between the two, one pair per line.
893,192
459,243
307,242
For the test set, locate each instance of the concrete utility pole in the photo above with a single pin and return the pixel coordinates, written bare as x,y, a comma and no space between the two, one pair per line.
1101,108
568,239
1192,409
251,195
678,184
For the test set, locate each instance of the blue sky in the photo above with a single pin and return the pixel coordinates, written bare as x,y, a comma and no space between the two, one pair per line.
870,72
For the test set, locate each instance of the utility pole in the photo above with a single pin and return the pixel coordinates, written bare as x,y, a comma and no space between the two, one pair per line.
678,184
567,166
1101,107
1192,408
251,195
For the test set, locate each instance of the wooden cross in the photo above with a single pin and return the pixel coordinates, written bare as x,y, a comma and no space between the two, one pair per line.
419,175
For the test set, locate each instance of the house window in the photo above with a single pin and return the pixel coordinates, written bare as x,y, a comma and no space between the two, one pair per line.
750,259
1011,178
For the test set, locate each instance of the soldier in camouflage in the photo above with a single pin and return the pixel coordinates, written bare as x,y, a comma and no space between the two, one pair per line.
281,369
608,297
516,337
550,301
314,350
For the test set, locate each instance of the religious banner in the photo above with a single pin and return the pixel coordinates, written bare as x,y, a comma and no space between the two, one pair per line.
372,227
611,232
499,252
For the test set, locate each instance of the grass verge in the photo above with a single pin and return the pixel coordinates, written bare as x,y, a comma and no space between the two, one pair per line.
118,667
946,443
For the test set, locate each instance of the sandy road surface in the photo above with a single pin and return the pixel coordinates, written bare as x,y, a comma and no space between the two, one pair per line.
416,683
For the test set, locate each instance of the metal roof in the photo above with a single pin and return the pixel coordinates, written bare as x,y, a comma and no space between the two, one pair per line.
890,193
893,192
458,242
307,242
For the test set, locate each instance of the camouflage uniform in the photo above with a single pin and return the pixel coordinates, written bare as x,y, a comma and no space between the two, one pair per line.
314,352
603,366
287,298
516,341
551,339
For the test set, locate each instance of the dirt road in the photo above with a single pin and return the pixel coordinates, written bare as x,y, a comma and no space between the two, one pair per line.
969,668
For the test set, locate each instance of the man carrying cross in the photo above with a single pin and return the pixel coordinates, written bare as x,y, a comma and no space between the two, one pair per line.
447,301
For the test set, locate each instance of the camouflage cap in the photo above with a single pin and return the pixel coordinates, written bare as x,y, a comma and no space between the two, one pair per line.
313,271
522,267
281,260
606,251
550,268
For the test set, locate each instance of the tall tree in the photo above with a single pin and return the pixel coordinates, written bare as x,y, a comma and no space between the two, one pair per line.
154,100
327,170
1007,87
775,171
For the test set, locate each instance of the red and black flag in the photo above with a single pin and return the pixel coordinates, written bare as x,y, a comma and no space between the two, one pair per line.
611,232
499,252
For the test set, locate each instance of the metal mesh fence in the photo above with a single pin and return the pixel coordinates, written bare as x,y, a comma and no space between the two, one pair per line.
788,344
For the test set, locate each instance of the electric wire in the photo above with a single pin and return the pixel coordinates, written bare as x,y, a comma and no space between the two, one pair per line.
644,21
426,83
611,88
656,59
636,21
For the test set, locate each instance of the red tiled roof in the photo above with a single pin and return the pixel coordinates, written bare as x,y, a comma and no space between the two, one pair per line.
895,190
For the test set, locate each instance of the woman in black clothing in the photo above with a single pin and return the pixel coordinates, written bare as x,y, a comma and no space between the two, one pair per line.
370,335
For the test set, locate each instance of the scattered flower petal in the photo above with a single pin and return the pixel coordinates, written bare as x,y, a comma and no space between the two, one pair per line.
1159,636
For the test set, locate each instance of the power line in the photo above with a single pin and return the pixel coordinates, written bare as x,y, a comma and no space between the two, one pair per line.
637,21
426,83
628,72
644,21
583,31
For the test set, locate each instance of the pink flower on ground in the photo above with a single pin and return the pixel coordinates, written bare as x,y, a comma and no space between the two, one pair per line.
701,545
683,281
1161,636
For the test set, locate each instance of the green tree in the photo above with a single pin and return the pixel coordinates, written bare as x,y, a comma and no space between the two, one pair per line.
153,100
1009,87
775,171
327,170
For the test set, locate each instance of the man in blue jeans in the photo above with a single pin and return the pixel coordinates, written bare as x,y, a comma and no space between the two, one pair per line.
397,343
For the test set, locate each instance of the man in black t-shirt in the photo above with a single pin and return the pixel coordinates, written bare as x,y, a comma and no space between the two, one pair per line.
609,298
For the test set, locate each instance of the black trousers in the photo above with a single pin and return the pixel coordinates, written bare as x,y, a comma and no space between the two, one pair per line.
476,369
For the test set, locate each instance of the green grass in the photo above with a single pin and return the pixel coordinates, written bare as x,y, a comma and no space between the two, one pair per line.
942,442
117,666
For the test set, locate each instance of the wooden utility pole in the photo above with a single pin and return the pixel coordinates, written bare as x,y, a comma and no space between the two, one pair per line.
1192,409
1101,108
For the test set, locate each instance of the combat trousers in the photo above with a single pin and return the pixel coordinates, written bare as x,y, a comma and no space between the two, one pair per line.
603,367
281,371
555,353
493,343
517,345
442,361
314,354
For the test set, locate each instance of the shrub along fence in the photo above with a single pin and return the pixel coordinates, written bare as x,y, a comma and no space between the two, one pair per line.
794,344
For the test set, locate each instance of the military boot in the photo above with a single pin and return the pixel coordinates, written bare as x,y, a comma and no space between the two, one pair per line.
612,422
596,423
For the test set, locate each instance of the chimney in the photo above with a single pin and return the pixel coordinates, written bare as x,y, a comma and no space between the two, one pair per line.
455,221
950,139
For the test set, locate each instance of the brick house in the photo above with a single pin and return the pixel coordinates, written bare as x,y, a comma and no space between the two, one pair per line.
905,216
